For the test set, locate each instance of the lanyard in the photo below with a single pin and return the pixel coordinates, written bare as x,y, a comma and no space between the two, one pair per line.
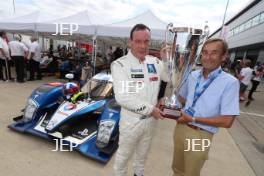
197,94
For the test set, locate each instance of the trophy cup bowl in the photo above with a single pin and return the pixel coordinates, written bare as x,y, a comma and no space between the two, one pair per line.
180,59
171,112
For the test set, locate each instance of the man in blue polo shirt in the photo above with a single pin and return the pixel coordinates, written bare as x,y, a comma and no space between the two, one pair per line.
211,101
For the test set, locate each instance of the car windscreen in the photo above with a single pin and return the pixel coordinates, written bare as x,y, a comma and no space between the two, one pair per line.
100,89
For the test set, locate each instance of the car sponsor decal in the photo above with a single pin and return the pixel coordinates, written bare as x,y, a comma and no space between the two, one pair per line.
111,115
69,107
62,113
36,96
84,132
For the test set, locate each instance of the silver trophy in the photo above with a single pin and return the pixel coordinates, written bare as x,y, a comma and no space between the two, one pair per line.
180,57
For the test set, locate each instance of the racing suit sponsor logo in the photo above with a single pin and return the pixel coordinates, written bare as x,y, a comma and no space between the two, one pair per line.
154,78
136,70
151,68
140,109
137,75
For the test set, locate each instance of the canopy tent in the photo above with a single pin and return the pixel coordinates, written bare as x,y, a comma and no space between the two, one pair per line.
122,29
107,34
81,19
44,25
110,34
25,23
39,22
115,30
33,17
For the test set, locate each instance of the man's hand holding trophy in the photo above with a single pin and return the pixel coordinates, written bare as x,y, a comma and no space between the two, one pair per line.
180,54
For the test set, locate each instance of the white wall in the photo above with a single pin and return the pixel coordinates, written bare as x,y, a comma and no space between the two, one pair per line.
261,56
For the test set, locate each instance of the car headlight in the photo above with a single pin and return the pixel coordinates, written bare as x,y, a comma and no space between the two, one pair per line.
30,109
104,132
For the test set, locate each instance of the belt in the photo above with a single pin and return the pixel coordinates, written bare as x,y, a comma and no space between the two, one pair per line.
144,117
195,127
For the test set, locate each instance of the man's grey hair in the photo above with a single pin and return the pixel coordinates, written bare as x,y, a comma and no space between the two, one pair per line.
33,38
17,37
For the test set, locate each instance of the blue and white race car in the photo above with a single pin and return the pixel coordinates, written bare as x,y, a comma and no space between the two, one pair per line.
88,124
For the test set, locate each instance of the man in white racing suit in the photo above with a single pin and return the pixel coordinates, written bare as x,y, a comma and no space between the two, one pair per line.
136,80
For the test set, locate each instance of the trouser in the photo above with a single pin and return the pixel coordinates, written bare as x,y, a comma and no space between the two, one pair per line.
243,88
135,137
3,66
20,66
253,88
191,161
33,68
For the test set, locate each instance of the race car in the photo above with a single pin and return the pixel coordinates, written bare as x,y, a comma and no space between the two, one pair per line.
87,121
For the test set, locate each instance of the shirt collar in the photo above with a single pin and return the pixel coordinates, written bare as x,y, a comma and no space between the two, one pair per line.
134,59
211,73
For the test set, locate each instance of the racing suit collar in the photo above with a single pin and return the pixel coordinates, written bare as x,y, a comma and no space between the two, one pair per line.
135,59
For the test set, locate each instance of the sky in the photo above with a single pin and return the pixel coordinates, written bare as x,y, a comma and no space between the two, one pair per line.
192,13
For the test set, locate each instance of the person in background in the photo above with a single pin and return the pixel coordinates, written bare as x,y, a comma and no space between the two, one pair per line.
109,55
34,59
257,75
245,76
238,66
18,52
117,53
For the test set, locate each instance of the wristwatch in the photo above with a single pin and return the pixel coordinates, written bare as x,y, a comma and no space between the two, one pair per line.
194,120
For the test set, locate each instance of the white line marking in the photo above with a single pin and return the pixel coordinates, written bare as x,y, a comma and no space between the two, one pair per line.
254,114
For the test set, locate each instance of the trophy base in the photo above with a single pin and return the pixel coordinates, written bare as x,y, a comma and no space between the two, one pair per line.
172,113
